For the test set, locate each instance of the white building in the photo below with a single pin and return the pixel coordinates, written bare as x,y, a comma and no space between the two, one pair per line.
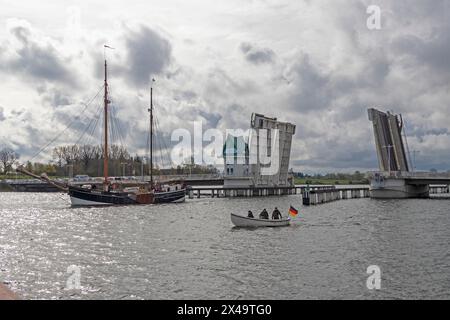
236,162
256,162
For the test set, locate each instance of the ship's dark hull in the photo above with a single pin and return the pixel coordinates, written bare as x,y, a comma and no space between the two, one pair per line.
83,197
170,196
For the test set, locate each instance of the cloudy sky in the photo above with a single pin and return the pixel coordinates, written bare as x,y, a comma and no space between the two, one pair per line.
313,63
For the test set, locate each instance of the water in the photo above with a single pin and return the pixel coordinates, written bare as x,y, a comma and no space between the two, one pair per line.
191,250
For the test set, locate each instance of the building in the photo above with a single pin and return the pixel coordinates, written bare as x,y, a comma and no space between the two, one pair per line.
261,159
236,161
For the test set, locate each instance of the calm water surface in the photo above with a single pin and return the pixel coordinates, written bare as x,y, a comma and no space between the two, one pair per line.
191,250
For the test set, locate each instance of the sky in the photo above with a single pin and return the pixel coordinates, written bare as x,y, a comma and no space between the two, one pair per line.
314,63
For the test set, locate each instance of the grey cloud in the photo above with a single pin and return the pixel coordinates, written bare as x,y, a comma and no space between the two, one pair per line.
148,54
432,52
311,90
326,90
344,159
56,98
418,131
257,55
212,119
221,85
36,61
185,95
431,47
2,115
437,160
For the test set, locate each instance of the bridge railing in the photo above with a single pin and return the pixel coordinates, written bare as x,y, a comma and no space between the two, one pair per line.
409,175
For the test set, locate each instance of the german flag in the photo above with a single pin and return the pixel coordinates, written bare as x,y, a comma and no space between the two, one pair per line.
292,211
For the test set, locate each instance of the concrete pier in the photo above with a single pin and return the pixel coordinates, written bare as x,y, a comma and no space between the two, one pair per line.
316,197
402,185
439,189
232,192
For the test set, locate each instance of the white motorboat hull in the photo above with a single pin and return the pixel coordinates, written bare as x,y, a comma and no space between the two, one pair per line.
245,222
77,202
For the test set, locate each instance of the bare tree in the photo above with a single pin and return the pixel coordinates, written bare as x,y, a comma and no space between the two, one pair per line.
7,158
87,154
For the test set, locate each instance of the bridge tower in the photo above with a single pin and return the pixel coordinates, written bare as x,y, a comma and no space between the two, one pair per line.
394,179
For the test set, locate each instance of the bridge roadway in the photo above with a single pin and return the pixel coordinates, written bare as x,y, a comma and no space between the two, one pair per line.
403,184
416,178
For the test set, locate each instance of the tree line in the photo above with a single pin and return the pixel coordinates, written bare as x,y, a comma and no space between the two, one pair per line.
71,160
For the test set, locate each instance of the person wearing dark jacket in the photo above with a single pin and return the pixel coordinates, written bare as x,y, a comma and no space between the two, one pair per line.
250,214
264,214
276,214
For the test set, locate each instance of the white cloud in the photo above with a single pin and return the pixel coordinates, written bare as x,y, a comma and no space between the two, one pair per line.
313,63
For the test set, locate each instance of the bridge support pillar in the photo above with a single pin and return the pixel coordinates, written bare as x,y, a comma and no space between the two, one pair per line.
397,188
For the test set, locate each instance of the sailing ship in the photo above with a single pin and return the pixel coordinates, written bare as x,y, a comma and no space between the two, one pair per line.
117,192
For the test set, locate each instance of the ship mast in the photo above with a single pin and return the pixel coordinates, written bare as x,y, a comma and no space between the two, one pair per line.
151,135
105,144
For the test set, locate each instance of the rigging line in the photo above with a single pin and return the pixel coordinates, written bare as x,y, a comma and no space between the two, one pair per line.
92,125
93,128
147,144
161,154
166,149
92,132
159,143
110,134
88,127
112,126
155,140
67,127
110,116
116,122
100,132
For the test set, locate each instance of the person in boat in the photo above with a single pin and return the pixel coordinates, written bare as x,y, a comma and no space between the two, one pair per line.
250,214
276,214
264,214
